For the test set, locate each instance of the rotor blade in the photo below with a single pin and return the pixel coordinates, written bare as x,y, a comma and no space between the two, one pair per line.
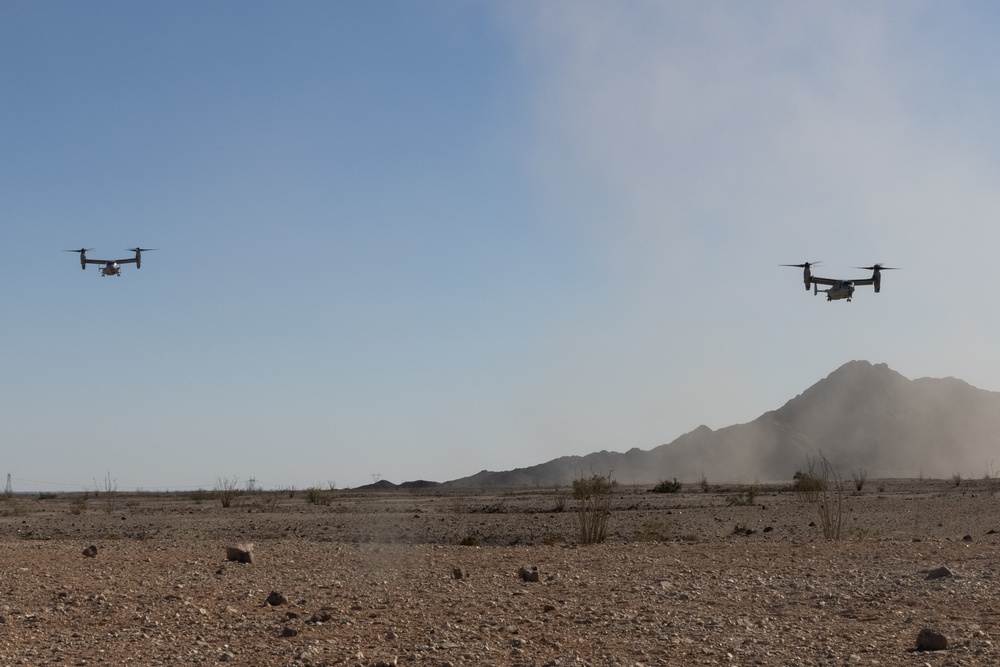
804,265
877,267
79,250
141,249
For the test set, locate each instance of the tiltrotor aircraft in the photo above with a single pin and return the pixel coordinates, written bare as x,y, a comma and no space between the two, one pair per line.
838,288
111,267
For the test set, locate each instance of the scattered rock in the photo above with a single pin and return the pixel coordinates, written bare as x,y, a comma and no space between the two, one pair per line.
939,573
90,552
275,599
289,632
460,573
320,617
241,553
931,640
967,538
529,573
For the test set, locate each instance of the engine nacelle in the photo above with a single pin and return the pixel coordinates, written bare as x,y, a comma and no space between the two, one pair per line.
878,281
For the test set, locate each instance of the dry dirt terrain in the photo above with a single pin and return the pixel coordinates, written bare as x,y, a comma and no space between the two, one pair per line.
727,576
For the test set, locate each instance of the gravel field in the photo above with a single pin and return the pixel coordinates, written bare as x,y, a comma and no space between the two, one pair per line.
383,578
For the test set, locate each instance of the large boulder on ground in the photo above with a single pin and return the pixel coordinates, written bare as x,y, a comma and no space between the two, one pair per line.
241,553
931,640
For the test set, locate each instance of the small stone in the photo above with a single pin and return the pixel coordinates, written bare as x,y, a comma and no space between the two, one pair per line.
320,617
289,632
931,640
529,573
90,552
939,573
460,573
275,599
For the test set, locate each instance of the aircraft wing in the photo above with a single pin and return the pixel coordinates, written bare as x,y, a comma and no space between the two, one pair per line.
864,281
96,261
824,281
126,261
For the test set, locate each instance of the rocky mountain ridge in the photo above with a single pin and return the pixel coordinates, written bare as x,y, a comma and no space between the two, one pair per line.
863,416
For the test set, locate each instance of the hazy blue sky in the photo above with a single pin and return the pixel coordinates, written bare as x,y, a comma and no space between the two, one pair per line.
415,240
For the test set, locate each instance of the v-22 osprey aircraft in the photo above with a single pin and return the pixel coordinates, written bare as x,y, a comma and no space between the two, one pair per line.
112,267
837,288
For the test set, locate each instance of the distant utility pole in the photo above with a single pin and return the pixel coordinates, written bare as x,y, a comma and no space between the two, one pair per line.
8,492
376,477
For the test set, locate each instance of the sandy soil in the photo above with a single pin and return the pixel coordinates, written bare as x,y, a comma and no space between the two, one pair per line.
370,578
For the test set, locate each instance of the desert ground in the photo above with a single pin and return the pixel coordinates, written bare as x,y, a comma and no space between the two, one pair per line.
721,575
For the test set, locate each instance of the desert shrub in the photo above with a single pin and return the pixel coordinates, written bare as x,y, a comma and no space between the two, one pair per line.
553,540
808,485
956,478
705,486
860,476
831,501
560,505
991,478
594,495
470,541
666,486
747,497
317,496
107,491
227,490
44,495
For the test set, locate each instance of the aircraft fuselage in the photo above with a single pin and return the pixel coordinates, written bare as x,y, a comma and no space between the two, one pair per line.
842,290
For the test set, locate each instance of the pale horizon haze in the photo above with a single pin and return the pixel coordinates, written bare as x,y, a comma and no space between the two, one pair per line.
410,241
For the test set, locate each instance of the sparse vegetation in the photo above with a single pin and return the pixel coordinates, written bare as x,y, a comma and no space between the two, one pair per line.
470,541
808,485
860,476
227,490
831,501
45,495
560,505
992,480
317,496
705,486
745,497
594,495
78,505
666,486
107,491
956,478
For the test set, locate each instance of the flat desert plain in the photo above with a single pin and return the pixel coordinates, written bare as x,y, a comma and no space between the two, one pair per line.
724,576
